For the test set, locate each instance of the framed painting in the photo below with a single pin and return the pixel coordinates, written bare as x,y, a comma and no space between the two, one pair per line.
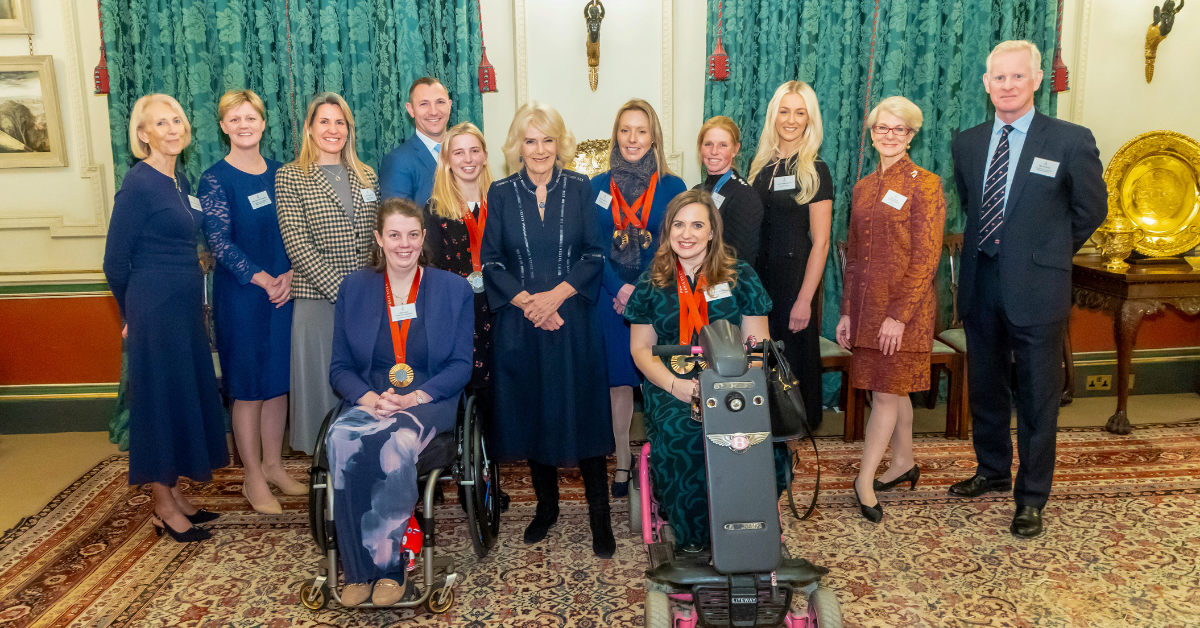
16,17
31,130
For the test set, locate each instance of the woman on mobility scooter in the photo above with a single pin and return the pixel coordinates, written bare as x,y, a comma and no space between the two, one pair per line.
402,353
694,280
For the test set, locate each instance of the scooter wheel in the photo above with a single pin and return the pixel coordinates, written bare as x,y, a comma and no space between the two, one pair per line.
658,610
829,612
635,506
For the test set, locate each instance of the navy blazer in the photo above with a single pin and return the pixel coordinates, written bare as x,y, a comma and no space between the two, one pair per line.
449,316
1046,219
407,172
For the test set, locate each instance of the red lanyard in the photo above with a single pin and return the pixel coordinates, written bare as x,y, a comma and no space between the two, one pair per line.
642,203
693,307
400,328
475,232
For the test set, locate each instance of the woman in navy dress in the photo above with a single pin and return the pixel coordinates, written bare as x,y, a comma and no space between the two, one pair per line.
252,290
176,422
631,200
542,259
398,313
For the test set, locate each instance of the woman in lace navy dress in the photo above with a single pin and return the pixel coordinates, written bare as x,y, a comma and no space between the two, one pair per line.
252,290
176,422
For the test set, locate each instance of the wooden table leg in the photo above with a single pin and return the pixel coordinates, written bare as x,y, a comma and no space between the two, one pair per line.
1125,327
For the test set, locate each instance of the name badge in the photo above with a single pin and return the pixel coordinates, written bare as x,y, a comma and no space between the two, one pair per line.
784,183
894,199
259,200
404,312
1044,167
604,199
195,202
718,199
719,291
369,195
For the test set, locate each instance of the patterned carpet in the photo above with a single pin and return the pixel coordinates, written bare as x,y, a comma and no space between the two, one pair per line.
1122,548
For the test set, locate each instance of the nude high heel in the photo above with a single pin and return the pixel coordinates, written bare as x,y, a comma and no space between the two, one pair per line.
267,508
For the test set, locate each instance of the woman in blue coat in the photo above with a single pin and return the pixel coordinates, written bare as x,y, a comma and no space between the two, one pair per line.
403,341
252,290
631,200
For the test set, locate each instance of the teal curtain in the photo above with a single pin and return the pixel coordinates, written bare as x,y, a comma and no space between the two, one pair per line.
855,53
369,51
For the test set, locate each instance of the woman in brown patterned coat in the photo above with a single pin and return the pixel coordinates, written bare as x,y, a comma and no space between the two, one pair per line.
895,242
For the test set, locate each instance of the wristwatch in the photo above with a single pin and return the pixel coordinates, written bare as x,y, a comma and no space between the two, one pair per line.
420,399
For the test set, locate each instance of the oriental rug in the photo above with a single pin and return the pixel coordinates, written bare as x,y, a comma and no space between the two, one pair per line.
1122,548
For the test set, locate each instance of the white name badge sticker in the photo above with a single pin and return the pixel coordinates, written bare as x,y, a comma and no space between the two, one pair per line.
1044,167
259,200
894,199
719,291
404,312
604,199
369,195
718,199
195,202
784,183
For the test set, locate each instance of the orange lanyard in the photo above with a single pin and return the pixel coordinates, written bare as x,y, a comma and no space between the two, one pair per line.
693,307
400,328
642,203
475,231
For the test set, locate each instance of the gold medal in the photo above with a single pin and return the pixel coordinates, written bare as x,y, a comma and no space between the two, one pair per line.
680,364
647,239
397,371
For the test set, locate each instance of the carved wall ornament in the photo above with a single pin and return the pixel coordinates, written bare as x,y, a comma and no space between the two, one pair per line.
1153,186
593,13
1164,21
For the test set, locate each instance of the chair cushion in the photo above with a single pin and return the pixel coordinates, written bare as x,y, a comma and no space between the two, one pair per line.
440,453
956,338
939,347
831,349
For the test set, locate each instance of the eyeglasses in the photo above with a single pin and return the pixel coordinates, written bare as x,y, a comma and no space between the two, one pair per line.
898,131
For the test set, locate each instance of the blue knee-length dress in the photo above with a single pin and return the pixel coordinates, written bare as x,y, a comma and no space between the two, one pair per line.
373,462
176,420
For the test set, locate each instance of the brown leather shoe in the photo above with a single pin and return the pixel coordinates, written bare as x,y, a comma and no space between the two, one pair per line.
355,594
387,592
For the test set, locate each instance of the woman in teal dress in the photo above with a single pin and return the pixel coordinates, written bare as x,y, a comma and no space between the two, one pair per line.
694,265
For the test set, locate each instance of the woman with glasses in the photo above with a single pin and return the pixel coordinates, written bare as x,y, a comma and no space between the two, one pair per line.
895,242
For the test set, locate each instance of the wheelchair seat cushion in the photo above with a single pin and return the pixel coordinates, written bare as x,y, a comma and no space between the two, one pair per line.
440,453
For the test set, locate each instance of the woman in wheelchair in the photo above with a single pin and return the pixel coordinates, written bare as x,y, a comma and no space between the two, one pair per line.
402,350
694,279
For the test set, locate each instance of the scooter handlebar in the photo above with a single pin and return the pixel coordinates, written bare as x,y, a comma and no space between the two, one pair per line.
675,350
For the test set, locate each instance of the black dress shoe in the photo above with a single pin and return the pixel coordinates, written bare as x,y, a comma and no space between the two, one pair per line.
874,514
202,516
911,476
978,485
1027,522
603,543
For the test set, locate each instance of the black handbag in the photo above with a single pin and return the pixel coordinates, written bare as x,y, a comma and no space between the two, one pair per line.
788,419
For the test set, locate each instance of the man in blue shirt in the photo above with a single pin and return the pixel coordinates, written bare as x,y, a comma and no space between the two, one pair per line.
1033,192
408,170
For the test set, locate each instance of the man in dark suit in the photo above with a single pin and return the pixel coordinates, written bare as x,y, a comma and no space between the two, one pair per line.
1033,192
407,171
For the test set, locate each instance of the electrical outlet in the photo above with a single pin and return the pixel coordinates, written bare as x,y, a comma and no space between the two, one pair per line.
1099,382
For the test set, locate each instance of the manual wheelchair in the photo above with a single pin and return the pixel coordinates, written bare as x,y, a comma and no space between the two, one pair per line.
460,457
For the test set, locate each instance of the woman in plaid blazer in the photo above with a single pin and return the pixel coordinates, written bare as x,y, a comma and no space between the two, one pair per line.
326,200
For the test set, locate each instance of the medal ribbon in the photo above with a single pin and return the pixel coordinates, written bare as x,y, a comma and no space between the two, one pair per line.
643,203
693,307
475,232
400,328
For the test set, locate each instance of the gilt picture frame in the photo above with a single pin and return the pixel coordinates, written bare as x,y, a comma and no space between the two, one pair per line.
31,128
16,17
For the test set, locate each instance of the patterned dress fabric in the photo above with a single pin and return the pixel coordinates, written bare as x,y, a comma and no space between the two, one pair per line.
676,441
176,421
891,259
253,335
786,243
448,246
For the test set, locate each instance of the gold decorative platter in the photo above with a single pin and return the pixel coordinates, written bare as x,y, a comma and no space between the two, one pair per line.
1154,181
591,157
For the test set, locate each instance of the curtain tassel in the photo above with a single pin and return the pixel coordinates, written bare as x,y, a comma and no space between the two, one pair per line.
487,74
1060,78
100,76
718,63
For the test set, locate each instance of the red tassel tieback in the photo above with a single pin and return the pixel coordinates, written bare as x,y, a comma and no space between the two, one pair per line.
487,75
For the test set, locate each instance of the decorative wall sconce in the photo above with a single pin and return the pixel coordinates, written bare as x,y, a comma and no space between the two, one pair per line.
1164,21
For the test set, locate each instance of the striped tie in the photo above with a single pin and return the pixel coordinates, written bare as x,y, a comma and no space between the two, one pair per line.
992,216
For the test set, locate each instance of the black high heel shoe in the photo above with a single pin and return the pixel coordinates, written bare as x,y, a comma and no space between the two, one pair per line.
620,489
190,535
202,516
874,514
911,476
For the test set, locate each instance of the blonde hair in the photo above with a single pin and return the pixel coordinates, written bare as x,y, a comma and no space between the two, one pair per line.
900,107
720,261
140,149
656,134
308,148
1017,45
546,119
235,98
447,200
717,122
807,180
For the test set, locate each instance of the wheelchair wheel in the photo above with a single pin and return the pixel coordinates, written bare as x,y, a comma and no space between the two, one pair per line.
312,597
440,600
635,501
828,611
658,610
483,494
